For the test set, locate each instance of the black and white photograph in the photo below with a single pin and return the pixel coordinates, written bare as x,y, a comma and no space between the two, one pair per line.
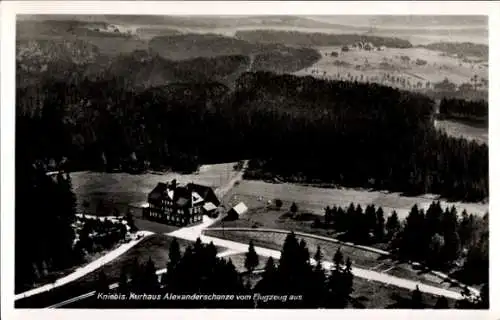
271,161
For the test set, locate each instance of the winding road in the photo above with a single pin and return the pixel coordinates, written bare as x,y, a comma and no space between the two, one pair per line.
191,233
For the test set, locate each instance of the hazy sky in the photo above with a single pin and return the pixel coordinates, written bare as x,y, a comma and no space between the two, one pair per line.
409,21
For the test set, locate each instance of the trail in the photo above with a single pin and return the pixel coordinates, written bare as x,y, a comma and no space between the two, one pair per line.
357,272
110,256
82,271
115,285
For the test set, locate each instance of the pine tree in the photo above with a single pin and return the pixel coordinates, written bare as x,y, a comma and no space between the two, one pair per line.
338,259
318,257
149,278
393,225
349,277
294,208
251,258
317,294
371,217
174,253
135,276
268,281
380,225
102,283
416,299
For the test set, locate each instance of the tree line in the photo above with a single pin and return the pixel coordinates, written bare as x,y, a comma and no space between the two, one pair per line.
463,108
316,39
300,128
48,237
436,237
45,211
199,271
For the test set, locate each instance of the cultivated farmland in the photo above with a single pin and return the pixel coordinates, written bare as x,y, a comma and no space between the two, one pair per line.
416,66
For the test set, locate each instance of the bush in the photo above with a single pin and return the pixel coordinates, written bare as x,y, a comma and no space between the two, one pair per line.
421,62
278,203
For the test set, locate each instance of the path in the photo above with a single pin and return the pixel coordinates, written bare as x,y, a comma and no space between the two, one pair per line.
115,285
357,272
82,271
92,266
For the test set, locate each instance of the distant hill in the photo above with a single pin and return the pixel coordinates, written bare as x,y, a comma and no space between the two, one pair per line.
462,49
193,45
73,61
305,39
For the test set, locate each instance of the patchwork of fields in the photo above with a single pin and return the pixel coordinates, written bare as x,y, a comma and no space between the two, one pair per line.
371,66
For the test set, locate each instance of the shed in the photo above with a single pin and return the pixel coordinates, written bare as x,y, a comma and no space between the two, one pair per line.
209,207
236,211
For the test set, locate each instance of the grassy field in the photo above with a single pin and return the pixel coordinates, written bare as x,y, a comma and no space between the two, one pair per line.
374,295
374,64
314,199
456,128
120,190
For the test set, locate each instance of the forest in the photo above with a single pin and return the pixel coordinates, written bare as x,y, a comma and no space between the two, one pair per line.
464,109
438,238
307,39
462,49
291,275
299,128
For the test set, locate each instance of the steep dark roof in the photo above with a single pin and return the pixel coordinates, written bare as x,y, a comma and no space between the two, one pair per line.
205,192
158,192
182,197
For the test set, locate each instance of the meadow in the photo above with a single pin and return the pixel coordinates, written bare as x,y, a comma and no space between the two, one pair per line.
313,199
469,131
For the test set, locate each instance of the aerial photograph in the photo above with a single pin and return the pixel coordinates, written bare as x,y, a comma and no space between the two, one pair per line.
241,162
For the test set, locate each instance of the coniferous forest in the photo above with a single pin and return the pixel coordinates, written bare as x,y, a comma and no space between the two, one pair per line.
199,271
300,128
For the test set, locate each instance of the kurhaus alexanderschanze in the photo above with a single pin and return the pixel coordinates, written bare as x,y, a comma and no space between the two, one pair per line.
180,205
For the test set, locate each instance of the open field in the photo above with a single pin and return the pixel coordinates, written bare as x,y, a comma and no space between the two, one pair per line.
369,294
371,66
119,190
456,128
314,199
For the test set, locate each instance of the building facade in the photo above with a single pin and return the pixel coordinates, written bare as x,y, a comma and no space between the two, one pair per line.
179,205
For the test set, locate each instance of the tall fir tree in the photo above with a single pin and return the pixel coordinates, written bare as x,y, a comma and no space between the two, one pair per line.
251,258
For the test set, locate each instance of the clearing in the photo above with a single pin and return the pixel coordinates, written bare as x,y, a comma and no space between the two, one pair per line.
255,194
103,192
467,130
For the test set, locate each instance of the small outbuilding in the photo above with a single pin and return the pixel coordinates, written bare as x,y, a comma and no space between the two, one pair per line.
210,209
236,211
